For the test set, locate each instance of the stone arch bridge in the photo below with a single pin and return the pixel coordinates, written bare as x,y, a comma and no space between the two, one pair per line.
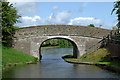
29,39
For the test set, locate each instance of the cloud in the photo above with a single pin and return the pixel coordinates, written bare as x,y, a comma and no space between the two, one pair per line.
29,21
85,21
60,18
109,26
55,8
35,18
24,7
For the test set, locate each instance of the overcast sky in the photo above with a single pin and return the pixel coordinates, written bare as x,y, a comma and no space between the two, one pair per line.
68,13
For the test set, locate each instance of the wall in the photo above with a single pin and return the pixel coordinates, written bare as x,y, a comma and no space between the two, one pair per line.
114,50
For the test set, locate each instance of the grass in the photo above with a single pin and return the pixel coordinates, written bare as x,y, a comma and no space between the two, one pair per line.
101,56
97,56
10,55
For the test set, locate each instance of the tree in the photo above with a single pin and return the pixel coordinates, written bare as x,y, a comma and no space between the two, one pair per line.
115,28
91,25
9,18
117,9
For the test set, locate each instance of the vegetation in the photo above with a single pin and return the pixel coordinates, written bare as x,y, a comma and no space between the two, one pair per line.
115,28
91,25
62,43
9,18
117,9
97,56
11,55
101,56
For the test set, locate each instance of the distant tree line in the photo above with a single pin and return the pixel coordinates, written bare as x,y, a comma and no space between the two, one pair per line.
62,43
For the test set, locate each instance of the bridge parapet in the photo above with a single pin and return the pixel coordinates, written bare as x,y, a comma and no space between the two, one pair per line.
69,30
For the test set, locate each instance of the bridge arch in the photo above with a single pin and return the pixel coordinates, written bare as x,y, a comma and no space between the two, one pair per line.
74,44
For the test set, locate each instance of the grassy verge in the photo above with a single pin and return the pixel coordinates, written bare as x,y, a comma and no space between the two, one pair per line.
101,56
11,56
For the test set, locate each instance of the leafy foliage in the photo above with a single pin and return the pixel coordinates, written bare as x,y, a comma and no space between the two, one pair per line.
114,28
117,9
9,18
62,43
91,25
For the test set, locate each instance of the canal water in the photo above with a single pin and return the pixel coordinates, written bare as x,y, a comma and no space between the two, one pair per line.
53,66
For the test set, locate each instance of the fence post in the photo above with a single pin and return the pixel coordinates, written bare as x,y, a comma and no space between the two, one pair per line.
110,35
104,41
108,38
115,37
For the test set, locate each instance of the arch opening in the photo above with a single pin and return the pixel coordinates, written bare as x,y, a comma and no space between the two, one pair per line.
71,44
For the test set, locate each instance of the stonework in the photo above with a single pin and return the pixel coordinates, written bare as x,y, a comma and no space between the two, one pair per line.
29,39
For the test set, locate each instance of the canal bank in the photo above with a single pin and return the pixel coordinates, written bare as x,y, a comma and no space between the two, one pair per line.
99,58
104,66
49,47
12,57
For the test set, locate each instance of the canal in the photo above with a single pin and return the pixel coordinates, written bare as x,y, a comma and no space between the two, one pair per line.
53,66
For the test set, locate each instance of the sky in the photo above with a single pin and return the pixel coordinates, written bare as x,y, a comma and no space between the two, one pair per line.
66,13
